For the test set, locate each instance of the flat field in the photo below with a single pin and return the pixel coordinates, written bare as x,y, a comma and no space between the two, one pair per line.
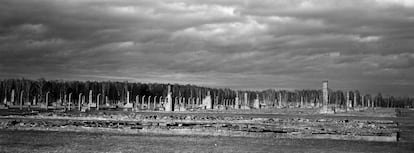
42,141
55,141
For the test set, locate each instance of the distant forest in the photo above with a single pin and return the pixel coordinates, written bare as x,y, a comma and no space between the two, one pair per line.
35,90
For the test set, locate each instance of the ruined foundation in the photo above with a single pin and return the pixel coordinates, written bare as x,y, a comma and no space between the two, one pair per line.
209,124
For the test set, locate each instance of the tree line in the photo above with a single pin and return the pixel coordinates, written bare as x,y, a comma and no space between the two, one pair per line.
115,91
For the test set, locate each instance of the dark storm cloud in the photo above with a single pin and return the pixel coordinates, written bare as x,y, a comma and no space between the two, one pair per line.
356,44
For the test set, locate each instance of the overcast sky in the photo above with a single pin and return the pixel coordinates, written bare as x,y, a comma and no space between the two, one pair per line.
258,44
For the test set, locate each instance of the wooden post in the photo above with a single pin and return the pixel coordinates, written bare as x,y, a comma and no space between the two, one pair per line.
127,97
280,99
106,101
160,101
97,101
21,100
301,101
12,97
142,102
65,102
155,101
245,100
90,100
136,102
236,101
347,100
149,102
70,100
47,100
79,101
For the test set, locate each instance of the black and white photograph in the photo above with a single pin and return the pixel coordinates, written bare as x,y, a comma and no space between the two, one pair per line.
213,76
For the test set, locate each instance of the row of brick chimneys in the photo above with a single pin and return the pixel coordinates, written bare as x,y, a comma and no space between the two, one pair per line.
169,104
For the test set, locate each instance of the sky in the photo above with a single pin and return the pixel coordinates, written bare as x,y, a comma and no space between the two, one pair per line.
364,45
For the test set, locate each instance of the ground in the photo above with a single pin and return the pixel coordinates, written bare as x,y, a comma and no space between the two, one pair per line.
40,141
49,141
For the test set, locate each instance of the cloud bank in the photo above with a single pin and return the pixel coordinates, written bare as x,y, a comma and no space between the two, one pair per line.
355,44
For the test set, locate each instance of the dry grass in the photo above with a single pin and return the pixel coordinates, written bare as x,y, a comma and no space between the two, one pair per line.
35,141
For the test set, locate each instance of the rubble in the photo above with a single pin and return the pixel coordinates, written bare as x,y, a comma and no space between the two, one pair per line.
209,124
